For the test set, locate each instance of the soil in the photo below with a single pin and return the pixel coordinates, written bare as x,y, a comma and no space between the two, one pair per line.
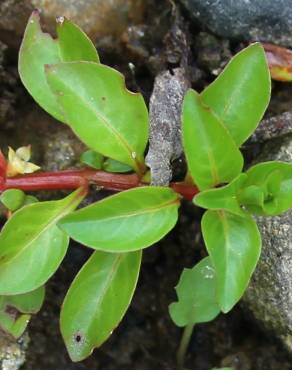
147,339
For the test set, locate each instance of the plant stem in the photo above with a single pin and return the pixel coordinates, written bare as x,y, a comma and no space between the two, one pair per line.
184,343
75,178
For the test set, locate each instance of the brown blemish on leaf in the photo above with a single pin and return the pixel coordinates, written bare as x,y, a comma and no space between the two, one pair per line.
12,312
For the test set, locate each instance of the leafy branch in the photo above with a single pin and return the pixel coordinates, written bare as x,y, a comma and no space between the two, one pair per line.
66,78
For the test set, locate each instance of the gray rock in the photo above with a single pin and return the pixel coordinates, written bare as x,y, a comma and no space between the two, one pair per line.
273,127
269,296
12,352
263,20
165,116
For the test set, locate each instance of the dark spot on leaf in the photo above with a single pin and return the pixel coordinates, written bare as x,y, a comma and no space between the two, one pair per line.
103,98
78,338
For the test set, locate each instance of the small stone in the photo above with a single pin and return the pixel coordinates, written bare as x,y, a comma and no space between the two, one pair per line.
249,20
12,351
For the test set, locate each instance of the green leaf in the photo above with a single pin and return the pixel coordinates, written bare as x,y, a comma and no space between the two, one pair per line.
30,199
116,119
252,197
97,300
30,302
224,197
92,159
73,43
128,221
196,295
234,245
110,165
212,156
275,181
15,310
38,49
241,93
12,199
32,246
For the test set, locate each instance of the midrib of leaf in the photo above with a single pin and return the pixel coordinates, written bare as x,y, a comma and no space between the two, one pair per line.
228,247
138,213
106,284
235,93
109,126
210,152
53,220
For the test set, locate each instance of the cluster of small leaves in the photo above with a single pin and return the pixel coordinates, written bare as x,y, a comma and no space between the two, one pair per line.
215,124
66,78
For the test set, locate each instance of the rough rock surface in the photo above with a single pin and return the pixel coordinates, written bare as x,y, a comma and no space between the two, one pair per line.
165,117
12,352
263,20
273,127
98,18
269,296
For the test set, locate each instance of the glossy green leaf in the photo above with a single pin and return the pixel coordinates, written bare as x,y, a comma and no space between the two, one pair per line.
116,119
128,221
32,246
234,245
15,310
212,155
12,199
92,159
110,165
224,197
196,293
241,93
73,43
39,48
97,300
275,180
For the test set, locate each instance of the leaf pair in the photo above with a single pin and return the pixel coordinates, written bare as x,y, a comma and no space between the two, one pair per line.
97,161
217,121
68,81
217,282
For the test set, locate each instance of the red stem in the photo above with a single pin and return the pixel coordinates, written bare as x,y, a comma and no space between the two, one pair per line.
73,179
